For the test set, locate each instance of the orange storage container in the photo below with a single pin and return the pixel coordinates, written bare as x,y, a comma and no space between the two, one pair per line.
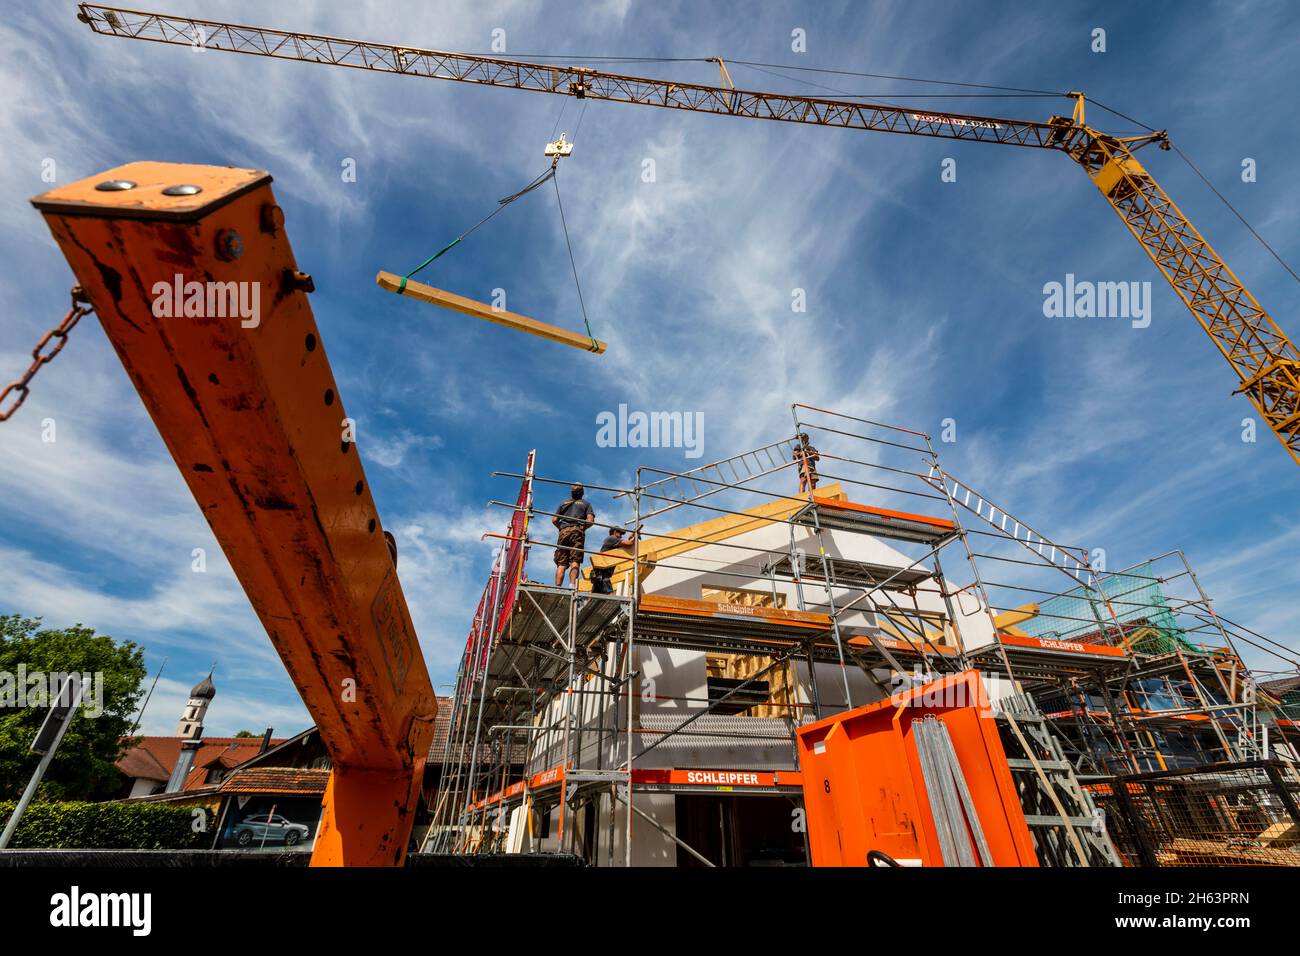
864,788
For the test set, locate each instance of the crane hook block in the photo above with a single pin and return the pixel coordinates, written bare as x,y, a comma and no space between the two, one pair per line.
558,149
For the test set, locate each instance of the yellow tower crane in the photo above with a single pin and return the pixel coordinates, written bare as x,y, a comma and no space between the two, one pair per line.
1264,359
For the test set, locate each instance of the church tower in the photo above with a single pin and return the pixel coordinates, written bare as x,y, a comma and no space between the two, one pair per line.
191,723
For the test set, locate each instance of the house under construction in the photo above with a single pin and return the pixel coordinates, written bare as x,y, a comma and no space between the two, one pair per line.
890,632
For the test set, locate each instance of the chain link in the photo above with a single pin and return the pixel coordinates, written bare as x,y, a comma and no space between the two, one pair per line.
80,306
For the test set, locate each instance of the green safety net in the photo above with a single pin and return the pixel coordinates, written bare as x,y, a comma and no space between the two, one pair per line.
1290,706
1137,602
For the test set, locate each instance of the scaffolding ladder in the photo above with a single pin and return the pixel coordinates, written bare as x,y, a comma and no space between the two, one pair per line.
1044,778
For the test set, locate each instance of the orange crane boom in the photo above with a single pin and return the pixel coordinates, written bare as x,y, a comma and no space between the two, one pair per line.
192,276
1264,359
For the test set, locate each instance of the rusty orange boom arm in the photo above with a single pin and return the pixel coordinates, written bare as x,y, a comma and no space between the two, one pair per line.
192,276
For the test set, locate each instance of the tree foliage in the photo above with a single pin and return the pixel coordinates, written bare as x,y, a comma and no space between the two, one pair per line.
83,767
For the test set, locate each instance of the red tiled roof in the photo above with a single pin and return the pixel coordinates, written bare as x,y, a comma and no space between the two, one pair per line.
442,729
148,756
275,780
140,762
1279,687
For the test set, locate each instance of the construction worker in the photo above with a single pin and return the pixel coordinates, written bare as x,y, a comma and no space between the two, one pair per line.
602,578
573,518
806,457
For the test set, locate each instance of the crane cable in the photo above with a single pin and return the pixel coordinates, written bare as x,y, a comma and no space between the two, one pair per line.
555,181
1262,240
549,174
759,65
501,204
1000,91
1004,92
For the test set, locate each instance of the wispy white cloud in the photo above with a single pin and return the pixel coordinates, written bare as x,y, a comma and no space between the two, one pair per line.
391,452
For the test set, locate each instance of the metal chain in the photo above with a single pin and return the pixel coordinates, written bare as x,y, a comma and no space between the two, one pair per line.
80,306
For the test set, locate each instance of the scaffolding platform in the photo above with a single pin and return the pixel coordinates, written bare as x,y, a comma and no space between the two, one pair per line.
830,514
1040,659
736,628
536,640
541,610
568,679
1155,719
854,574
545,787
707,625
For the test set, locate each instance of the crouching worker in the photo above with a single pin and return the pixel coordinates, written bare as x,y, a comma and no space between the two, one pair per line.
573,518
602,565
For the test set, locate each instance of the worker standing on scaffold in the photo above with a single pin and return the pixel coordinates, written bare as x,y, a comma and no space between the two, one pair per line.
573,518
806,456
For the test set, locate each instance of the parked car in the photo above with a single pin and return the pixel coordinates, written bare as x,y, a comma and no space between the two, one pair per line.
271,828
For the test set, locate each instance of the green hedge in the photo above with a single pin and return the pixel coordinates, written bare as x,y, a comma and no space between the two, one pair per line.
108,826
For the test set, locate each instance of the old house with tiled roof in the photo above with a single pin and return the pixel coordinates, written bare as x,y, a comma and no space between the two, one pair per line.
147,763
187,762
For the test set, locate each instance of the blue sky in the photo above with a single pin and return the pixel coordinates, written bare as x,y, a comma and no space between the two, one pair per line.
924,298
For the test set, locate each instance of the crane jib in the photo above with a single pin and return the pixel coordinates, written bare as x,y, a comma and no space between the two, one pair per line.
577,81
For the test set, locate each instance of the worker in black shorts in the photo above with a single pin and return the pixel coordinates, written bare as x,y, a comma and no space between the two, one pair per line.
573,518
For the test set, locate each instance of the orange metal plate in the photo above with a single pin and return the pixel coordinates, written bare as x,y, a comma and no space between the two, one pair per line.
896,644
218,184
711,780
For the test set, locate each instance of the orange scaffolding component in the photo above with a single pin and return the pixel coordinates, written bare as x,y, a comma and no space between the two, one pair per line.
884,514
1049,644
193,279
864,788
691,607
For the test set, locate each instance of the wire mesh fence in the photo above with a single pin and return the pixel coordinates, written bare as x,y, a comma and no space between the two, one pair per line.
1227,814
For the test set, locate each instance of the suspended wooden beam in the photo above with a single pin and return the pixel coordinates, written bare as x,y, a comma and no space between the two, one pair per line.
481,310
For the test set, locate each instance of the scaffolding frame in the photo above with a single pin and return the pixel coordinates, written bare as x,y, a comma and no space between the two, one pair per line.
545,719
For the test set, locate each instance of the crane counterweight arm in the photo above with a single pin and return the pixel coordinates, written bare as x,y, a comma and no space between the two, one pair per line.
1264,359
